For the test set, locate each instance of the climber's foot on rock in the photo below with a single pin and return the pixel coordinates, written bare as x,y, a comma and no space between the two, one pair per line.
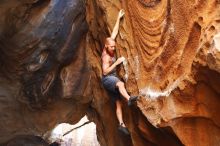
123,129
131,100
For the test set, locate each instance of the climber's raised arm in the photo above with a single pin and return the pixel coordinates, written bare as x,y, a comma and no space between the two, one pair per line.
116,27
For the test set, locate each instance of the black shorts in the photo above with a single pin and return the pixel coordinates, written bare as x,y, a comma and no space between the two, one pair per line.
109,83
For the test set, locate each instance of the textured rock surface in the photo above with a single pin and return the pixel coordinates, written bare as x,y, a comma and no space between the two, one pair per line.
172,51
51,69
23,140
43,65
45,78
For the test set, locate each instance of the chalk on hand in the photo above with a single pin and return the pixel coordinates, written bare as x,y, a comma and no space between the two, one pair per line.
123,58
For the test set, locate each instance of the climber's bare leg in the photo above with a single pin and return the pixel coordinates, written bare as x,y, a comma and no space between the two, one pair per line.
119,112
121,86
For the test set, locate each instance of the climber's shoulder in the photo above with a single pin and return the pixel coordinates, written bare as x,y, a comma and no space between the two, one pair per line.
105,56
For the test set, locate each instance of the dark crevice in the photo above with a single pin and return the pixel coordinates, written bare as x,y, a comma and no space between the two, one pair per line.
158,136
40,3
149,3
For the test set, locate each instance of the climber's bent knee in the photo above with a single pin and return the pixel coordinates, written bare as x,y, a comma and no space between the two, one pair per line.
120,84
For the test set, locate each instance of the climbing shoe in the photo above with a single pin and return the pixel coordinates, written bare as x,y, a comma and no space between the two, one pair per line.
123,130
131,100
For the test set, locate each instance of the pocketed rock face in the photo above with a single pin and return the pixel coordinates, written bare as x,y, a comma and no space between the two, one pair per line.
172,52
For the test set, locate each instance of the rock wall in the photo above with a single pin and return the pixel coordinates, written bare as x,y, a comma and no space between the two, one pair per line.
171,48
43,65
51,69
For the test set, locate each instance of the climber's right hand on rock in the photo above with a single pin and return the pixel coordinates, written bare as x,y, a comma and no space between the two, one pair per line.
120,60
121,13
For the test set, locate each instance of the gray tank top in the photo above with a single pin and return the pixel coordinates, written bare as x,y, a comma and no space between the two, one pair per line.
113,72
